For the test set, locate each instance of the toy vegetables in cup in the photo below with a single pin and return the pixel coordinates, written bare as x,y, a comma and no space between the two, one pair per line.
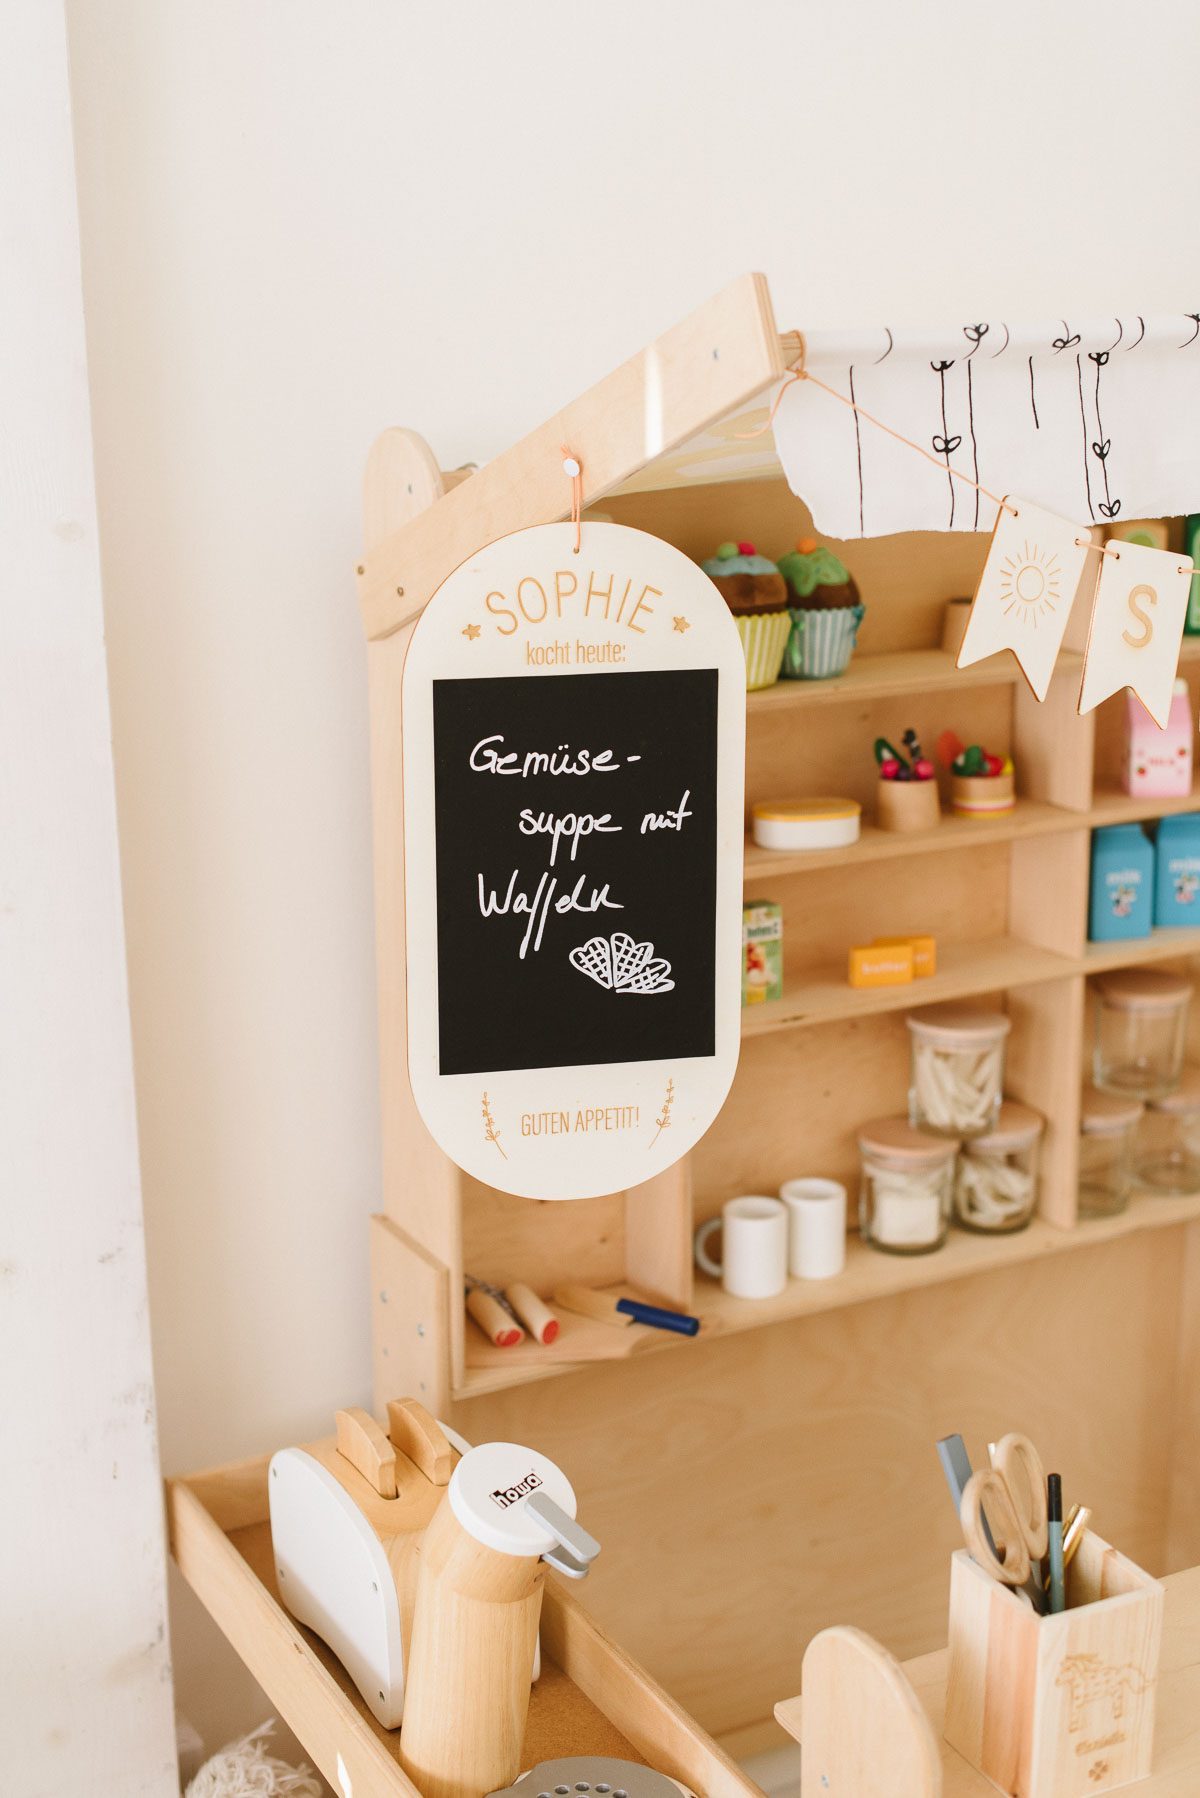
907,796
982,783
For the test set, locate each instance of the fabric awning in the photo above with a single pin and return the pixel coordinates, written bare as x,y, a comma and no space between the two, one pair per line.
1096,420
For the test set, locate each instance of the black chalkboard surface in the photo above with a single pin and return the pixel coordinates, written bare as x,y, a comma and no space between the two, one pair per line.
576,841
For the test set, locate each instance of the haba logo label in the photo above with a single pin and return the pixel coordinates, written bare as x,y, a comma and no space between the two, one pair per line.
505,1496
1098,1694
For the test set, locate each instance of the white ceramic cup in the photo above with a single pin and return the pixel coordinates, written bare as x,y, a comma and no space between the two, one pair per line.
816,1227
754,1247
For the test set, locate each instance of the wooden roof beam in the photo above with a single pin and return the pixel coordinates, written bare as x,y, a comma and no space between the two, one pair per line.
716,360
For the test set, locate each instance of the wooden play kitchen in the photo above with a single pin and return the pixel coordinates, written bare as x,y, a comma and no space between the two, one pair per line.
769,1474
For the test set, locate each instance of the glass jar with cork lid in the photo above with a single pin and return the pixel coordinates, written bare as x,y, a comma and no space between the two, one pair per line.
1107,1127
957,1068
995,1181
1167,1149
907,1182
1141,1023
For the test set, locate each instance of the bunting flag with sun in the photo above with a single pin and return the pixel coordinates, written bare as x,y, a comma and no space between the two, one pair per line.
1024,595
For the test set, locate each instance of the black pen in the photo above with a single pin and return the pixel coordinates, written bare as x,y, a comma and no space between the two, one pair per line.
1054,1527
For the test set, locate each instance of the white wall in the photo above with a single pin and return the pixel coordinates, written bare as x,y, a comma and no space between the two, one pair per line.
306,221
85,1676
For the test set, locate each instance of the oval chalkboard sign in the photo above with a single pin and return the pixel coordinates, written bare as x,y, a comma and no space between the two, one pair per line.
574,741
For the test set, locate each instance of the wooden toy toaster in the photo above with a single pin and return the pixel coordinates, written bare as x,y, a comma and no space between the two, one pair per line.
347,1514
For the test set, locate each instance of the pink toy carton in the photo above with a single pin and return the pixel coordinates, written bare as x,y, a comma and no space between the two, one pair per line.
1158,763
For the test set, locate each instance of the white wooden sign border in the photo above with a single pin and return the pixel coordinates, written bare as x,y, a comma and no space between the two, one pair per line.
670,617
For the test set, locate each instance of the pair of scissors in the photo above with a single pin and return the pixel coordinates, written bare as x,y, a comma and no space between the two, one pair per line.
1004,1516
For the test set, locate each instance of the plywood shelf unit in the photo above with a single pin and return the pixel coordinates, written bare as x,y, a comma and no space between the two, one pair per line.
854,1378
1006,899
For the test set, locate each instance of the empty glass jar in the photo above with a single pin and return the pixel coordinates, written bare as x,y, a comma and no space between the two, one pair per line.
907,1182
1167,1148
1107,1127
957,1069
995,1181
1141,1021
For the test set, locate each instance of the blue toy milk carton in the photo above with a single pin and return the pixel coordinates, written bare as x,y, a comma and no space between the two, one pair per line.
1122,898
1177,871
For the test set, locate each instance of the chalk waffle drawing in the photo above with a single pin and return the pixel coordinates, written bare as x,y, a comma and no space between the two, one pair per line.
621,965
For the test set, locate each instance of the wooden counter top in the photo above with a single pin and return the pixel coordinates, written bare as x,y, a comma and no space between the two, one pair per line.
1177,1731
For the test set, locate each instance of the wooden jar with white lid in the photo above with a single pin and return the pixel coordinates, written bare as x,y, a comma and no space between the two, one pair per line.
475,1626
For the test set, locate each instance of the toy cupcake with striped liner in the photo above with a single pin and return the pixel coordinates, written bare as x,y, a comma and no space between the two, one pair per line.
825,612
755,592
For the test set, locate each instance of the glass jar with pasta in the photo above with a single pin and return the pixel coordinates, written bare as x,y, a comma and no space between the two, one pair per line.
957,1069
995,1181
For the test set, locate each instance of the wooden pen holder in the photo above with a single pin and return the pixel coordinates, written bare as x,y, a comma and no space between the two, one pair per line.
1058,1706
907,804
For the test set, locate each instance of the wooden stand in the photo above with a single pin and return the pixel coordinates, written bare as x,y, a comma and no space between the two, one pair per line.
792,1390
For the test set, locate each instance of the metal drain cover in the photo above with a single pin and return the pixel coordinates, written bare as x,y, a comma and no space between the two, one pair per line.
592,1776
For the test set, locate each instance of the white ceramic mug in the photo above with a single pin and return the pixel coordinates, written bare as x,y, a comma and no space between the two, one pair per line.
816,1227
754,1247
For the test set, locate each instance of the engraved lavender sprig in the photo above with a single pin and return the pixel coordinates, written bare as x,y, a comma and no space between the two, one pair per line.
489,1127
664,1122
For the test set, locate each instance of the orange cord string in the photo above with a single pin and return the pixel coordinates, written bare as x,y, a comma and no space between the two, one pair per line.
573,468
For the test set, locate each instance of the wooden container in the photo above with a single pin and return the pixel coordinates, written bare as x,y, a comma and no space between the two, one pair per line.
1055,1707
907,804
982,795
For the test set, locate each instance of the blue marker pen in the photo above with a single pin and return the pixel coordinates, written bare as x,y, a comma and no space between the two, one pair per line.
1054,1522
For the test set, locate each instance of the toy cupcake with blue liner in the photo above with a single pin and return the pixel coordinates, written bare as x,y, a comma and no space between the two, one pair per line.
825,612
756,593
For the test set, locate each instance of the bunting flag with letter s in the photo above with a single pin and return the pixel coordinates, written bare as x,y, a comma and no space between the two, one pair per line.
1137,627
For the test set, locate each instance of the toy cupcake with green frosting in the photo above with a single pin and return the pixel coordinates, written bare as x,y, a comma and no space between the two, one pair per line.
825,612
756,593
